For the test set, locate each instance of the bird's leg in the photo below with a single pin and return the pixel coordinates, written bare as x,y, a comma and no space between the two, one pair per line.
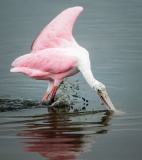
49,90
45,97
56,85
53,93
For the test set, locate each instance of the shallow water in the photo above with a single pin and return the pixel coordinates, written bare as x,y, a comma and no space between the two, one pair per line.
112,33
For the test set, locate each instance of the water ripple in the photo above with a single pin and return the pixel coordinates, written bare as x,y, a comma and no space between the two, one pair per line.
53,134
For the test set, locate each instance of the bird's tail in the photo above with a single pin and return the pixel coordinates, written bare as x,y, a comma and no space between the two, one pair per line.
23,70
32,73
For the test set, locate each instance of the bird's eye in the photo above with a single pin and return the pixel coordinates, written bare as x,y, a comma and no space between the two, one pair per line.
99,90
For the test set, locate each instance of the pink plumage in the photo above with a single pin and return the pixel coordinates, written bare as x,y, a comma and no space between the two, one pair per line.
52,61
58,31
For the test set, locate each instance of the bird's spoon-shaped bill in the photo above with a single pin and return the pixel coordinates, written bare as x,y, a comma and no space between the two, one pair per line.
106,100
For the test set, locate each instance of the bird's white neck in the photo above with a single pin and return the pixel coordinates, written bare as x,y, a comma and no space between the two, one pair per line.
90,78
85,67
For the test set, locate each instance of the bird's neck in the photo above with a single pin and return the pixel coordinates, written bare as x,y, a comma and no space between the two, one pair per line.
90,78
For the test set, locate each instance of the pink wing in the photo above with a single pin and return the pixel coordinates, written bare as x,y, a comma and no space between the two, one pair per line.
51,60
58,31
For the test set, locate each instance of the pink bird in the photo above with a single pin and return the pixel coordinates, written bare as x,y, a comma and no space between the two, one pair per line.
55,55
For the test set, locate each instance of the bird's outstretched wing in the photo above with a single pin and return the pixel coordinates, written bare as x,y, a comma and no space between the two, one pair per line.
49,60
58,32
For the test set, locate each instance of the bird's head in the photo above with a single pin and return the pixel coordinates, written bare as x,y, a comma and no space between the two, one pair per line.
101,91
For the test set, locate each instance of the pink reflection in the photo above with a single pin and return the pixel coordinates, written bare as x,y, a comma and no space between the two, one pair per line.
58,138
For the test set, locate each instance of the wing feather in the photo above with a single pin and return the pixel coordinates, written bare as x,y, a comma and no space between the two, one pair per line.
50,60
58,31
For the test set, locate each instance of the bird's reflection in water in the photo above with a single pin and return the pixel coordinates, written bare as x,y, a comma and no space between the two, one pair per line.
64,136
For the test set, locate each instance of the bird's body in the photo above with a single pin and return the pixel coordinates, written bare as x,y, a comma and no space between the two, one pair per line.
48,64
55,55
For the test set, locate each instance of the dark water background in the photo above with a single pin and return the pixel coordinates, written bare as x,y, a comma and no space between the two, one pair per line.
112,33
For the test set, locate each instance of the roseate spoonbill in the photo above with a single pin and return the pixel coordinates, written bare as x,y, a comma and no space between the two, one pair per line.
55,55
